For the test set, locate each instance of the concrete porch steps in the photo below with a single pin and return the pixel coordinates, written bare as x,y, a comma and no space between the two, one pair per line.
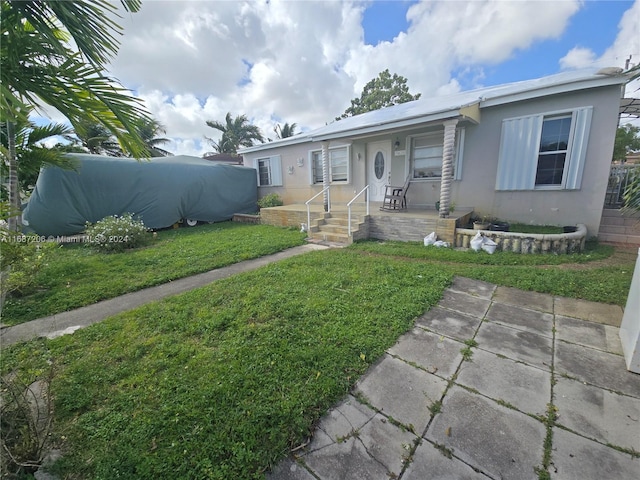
618,227
334,228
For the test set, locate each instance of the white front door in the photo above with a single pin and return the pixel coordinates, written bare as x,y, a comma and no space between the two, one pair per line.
378,169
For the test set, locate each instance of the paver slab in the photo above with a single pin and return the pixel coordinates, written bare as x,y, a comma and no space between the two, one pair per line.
289,470
387,443
526,388
401,391
348,459
450,323
516,344
598,413
477,288
496,440
589,334
576,458
586,310
522,318
430,463
596,367
465,303
435,353
531,300
345,418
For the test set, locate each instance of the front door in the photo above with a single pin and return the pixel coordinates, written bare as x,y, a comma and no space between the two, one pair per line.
378,169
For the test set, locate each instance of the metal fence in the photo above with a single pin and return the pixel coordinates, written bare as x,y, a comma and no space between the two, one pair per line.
619,178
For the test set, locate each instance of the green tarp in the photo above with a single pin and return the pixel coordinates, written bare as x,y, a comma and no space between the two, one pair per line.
161,191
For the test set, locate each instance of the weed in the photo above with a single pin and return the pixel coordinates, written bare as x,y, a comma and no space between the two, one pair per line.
444,450
435,407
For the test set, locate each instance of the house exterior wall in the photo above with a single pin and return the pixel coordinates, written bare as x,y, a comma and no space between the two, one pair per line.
476,187
554,207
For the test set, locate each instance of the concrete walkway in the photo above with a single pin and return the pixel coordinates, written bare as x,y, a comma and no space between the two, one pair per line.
67,322
545,391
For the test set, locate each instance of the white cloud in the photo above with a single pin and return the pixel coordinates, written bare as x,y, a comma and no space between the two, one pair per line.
303,61
578,57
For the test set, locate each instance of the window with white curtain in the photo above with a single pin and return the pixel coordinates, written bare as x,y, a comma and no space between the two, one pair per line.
545,151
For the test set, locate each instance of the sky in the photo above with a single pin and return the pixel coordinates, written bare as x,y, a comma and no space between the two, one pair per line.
303,61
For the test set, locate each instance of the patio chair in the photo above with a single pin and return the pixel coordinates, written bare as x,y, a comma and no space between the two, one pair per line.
395,198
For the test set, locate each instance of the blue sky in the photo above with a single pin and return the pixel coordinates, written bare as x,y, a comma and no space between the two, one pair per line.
302,61
594,26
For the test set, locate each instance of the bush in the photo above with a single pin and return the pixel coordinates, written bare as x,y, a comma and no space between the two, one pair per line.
116,233
271,200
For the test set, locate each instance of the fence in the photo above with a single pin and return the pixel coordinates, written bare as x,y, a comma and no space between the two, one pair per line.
619,177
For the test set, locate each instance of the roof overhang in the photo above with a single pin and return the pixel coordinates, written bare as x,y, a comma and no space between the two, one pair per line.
630,107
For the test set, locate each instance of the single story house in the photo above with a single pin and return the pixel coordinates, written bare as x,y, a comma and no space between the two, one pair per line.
535,151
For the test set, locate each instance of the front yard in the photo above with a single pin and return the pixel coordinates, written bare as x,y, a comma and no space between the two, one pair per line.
221,382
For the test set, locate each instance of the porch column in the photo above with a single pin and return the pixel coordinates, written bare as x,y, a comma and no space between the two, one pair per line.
325,174
447,166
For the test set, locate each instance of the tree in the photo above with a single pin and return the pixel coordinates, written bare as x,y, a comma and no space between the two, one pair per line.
149,131
285,131
383,91
236,133
40,67
627,141
97,139
33,155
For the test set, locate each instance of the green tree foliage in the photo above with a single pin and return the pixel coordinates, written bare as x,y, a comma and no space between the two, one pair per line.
286,131
33,154
97,139
150,131
236,132
627,141
383,91
40,66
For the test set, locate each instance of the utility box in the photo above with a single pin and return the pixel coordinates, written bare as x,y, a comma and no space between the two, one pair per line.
630,326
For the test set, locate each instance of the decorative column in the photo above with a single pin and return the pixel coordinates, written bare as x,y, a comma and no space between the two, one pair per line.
325,174
447,166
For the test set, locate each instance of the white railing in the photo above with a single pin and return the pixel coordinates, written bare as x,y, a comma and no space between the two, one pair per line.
308,202
365,189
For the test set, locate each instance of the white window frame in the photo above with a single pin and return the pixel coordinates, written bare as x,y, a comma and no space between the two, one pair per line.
520,150
312,165
274,165
457,156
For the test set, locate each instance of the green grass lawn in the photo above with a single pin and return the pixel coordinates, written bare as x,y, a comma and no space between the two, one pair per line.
221,382
76,276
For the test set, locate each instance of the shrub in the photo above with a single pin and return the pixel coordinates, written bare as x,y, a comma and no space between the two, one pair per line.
21,258
116,233
271,200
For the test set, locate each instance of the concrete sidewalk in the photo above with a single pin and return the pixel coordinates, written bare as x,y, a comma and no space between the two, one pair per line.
67,322
545,391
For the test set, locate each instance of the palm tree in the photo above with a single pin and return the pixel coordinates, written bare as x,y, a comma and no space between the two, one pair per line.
40,67
236,133
285,131
149,131
32,154
97,139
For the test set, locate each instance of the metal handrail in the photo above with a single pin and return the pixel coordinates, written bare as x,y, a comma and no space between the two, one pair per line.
325,189
353,200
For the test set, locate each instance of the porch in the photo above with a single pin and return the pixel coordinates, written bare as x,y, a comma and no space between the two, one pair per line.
412,224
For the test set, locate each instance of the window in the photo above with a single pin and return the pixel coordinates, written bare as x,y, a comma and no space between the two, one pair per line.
427,152
269,171
338,165
545,151
427,156
554,143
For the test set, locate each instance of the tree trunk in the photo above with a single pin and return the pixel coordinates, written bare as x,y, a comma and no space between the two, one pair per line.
15,218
